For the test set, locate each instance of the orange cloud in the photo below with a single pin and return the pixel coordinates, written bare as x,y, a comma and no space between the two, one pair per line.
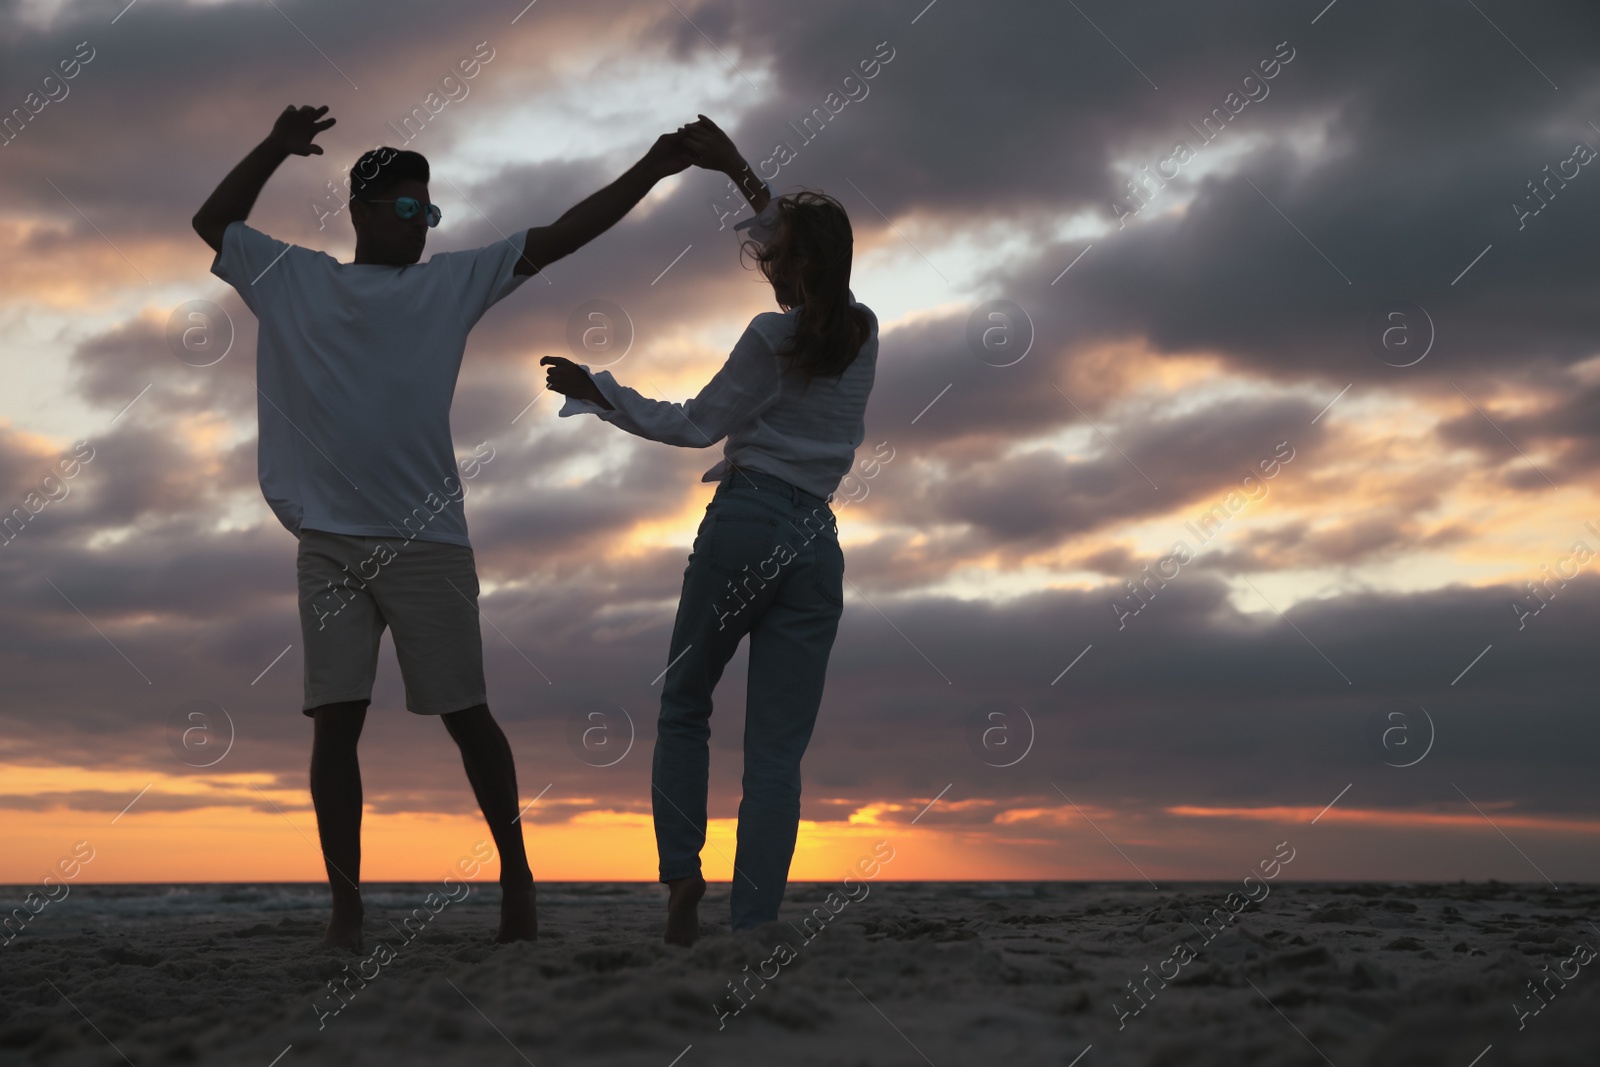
1383,818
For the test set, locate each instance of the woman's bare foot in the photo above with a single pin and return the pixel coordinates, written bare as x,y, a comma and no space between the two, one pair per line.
683,909
344,928
519,915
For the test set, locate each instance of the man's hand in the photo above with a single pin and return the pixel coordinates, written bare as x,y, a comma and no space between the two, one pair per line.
667,156
296,127
569,379
233,197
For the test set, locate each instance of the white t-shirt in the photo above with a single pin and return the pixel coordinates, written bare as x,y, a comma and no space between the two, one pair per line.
356,366
773,420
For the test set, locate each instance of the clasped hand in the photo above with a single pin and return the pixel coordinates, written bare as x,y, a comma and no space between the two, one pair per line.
696,144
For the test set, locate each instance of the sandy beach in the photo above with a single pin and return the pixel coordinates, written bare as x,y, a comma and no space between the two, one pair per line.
912,973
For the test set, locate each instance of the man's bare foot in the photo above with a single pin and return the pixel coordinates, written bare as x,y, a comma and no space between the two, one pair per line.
519,915
344,928
683,909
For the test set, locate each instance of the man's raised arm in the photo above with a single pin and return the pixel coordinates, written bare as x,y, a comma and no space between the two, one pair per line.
596,214
236,194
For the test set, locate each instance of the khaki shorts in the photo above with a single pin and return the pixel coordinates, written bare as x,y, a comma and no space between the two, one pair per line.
424,592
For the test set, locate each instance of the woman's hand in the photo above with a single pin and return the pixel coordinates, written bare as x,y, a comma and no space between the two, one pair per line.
569,379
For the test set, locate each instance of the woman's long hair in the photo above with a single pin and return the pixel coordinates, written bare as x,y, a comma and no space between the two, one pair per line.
811,253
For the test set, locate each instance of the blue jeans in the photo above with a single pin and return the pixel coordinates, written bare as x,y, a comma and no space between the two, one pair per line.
766,562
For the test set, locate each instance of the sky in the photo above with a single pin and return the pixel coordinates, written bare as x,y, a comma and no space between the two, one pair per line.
1228,478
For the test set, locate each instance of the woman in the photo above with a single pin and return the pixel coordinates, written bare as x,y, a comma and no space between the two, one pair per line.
766,560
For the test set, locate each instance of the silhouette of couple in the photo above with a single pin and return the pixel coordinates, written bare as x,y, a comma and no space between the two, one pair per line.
356,365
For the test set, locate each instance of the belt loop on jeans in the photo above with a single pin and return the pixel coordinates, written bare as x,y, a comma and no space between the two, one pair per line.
771,482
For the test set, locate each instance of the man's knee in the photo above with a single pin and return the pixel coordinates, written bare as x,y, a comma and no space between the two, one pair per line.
338,711
472,722
339,721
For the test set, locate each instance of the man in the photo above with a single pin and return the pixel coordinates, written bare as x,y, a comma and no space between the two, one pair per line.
356,364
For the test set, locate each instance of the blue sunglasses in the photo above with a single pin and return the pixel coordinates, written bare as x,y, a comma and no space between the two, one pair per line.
406,207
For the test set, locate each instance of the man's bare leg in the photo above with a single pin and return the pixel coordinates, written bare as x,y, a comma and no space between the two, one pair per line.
336,794
486,755
683,909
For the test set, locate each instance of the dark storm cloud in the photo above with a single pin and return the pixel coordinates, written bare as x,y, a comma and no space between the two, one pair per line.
1568,423
115,366
1193,702
1366,538
1400,197
1038,497
1206,702
1231,275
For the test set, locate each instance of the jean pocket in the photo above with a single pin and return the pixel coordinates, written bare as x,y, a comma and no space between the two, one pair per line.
828,575
735,542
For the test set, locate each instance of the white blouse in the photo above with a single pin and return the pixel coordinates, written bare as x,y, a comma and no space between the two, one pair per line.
772,420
